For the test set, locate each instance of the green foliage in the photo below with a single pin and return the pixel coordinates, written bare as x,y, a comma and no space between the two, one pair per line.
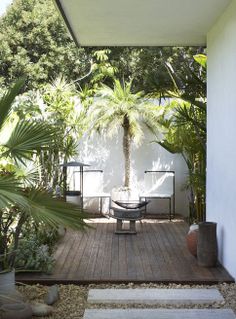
33,255
7,99
147,67
36,247
10,191
201,59
34,42
56,105
186,130
18,204
26,138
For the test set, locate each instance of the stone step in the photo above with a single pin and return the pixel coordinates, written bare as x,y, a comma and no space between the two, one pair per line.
154,296
159,313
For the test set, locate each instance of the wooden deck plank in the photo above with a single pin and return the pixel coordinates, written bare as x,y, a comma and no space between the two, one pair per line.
61,259
158,253
138,258
182,266
147,253
123,265
151,250
141,250
101,252
70,260
94,252
89,240
132,266
78,256
115,257
106,262
159,250
169,266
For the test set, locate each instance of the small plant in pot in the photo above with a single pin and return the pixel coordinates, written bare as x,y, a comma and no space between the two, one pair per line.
21,197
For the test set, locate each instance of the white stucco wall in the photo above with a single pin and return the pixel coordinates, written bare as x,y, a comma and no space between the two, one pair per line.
221,168
106,154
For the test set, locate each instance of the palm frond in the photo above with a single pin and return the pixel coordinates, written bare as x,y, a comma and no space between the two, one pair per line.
169,147
28,174
11,193
54,212
7,100
26,138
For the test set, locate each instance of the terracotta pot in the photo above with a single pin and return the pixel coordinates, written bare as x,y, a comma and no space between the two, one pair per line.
192,239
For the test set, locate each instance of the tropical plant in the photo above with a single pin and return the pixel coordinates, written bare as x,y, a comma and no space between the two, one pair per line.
185,122
18,202
58,105
117,108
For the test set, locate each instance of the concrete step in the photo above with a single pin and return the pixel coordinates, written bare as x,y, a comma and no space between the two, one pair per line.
159,313
152,296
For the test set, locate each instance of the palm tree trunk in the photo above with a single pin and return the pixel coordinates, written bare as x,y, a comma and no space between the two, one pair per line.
126,151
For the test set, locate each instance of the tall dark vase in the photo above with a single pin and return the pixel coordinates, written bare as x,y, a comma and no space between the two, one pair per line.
207,245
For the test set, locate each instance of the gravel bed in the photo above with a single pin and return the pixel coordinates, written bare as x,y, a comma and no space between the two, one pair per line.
73,299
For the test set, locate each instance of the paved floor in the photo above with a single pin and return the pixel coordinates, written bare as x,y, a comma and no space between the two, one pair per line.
150,296
159,313
145,297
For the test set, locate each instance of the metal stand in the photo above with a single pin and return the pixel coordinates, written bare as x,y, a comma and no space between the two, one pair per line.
81,171
169,197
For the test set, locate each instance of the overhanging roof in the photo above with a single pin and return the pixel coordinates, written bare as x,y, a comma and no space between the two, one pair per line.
140,22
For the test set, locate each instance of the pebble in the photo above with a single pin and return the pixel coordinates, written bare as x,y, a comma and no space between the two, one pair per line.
52,295
41,310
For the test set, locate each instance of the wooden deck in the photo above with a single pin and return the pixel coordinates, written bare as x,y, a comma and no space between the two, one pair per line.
157,253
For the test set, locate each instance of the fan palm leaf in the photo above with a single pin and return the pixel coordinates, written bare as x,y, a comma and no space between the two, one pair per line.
7,100
11,193
26,138
53,212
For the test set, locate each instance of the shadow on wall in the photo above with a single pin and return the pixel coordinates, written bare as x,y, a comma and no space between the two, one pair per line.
106,154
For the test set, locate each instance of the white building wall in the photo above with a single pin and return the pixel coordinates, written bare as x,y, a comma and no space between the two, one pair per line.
106,154
221,162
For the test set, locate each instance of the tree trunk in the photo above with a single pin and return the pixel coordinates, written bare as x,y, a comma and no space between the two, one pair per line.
126,151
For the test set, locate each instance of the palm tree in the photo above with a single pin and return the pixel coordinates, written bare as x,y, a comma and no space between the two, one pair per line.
23,141
118,107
